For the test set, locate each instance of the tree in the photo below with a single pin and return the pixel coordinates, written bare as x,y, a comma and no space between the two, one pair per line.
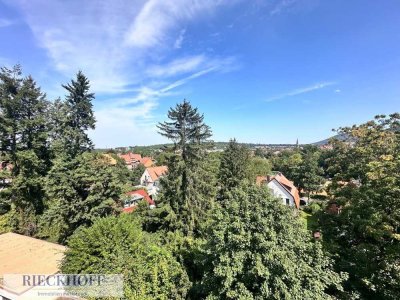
187,130
24,145
288,163
136,173
365,236
258,249
186,195
309,174
233,168
79,191
117,245
258,167
80,116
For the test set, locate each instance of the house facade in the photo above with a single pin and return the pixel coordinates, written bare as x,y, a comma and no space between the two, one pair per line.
151,179
282,188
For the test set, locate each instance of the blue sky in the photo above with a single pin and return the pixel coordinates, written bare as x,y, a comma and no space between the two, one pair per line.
261,71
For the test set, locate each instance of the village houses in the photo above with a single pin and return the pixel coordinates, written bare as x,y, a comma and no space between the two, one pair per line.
133,160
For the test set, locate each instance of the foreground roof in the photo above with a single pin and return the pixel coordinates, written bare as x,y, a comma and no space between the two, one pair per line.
21,254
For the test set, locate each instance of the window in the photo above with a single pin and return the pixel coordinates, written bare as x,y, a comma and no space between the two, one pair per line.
287,201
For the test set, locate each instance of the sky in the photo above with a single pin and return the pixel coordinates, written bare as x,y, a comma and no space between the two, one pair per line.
261,71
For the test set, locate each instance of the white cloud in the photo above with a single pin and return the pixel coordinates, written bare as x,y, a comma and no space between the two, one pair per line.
177,66
281,5
87,37
5,22
120,46
158,17
300,91
338,91
179,40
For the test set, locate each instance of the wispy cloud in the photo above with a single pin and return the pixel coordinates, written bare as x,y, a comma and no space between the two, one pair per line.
179,40
281,5
139,121
5,22
177,66
126,48
300,91
158,17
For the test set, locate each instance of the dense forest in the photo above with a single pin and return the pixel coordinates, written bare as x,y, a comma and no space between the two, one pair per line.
214,233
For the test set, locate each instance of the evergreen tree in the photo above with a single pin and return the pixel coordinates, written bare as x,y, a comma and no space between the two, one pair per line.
79,117
186,197
233,168
78,192
24,145
257,249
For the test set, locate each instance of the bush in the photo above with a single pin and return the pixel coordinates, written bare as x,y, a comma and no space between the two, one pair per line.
117,245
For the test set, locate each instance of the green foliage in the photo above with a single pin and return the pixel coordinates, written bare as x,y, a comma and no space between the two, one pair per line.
288,162
79,116
117,245
258,167
187,195
258,249
79,191
5,223
136,173
24,145
234,167
309,173
365,237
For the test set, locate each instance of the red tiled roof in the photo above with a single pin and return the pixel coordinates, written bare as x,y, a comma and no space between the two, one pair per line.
156,172
130,157
142,193
286,183
146,161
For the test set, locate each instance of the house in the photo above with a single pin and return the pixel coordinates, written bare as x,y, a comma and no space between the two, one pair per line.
150,179
281,187
21,254
132,160
147,161
134,197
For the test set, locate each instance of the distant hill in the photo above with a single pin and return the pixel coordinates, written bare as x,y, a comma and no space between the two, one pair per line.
220,146
340,137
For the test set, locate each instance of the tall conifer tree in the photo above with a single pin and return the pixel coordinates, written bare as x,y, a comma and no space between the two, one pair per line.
183,190
80,117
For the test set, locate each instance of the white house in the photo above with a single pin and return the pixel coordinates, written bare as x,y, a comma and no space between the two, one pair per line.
282,188
150,179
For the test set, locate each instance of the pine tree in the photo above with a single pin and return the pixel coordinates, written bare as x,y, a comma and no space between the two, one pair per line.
24,144
184,195
78,192
80,116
